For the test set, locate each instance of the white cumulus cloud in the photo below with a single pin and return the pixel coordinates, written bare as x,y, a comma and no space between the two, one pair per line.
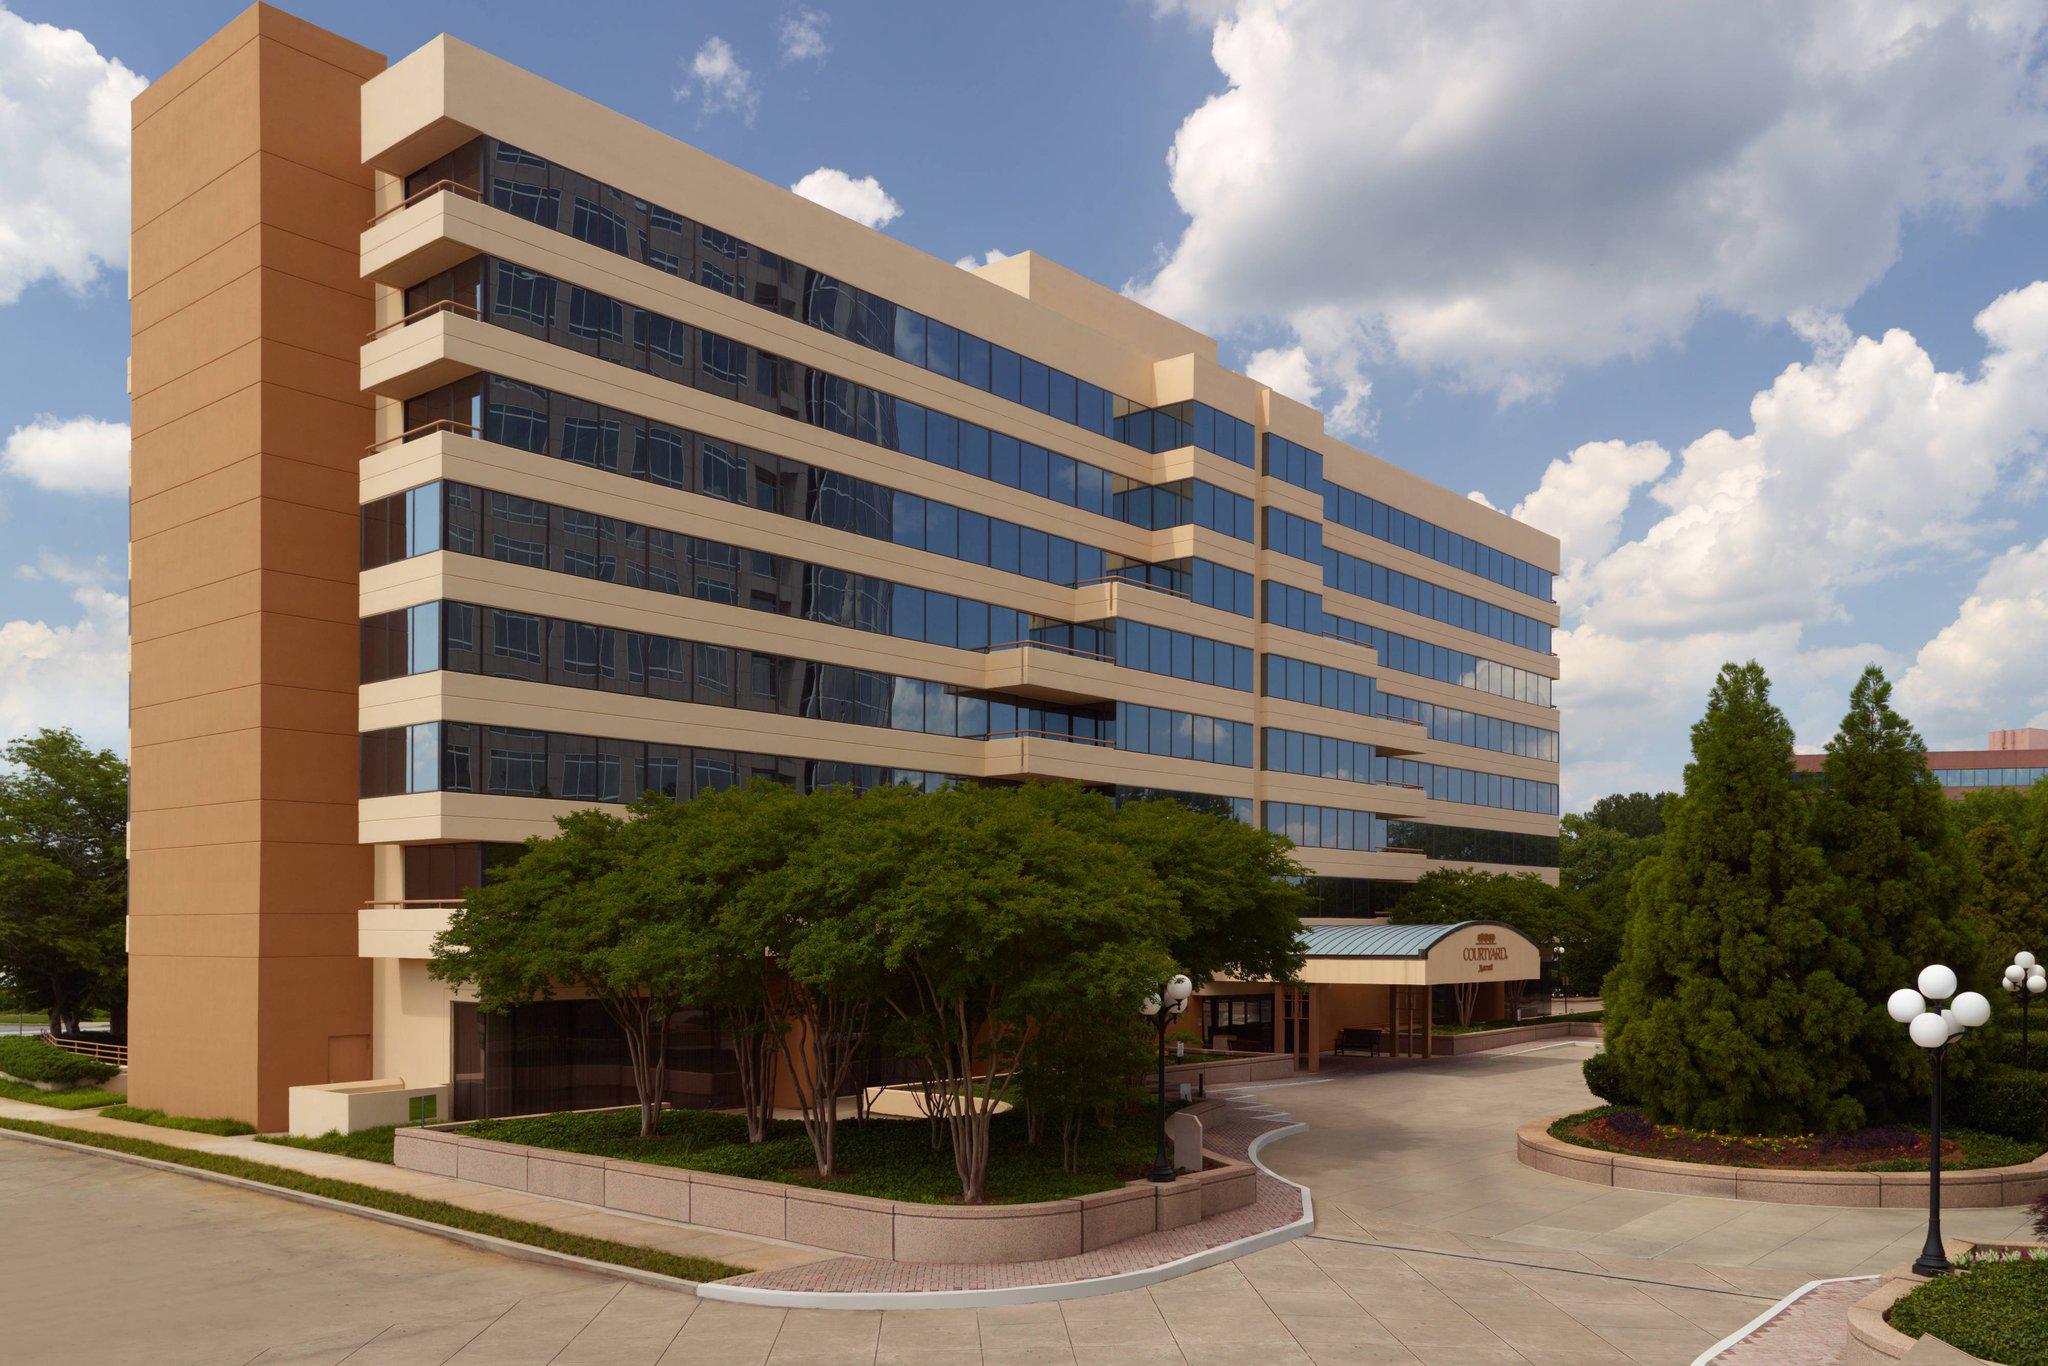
1501,193
71,455
1865,466
1988,668
863,200
802,36
63,157
1285,369
988,258
69,673
718,81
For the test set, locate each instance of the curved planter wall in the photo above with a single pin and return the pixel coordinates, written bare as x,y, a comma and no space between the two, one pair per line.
856,1224
1984,1188
1452,1045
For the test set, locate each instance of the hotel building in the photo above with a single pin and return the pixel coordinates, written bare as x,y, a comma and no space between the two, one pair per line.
495,455
2010,759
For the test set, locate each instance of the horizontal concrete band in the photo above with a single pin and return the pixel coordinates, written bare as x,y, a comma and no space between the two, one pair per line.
1453,1045
857,1224
1234,1072
1983,1188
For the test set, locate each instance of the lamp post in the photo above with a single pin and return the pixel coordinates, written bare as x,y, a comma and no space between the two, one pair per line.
1934,1029
1164,1007
2025,979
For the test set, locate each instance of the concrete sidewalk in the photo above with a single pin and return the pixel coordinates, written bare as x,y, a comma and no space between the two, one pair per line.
756,1254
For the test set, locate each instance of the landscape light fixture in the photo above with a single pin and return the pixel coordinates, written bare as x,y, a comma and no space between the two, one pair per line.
2025,979
1933,1029
1164,1006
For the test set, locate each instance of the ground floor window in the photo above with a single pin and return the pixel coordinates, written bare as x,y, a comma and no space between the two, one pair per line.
1244,1022
568,1055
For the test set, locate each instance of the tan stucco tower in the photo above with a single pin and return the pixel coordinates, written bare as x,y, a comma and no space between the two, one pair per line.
249,420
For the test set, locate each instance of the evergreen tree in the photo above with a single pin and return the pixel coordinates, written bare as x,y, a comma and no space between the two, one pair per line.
2007,902
1729,1009
1883,826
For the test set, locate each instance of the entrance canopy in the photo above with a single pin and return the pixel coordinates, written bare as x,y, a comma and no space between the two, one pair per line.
1419,955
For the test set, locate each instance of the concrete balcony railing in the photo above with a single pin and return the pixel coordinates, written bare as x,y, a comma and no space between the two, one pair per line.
1049,673
402,929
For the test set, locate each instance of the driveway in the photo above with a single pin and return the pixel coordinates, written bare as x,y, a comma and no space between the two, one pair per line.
1433,1246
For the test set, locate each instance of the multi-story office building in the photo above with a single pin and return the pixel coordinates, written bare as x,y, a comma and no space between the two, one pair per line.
496,455
2010,759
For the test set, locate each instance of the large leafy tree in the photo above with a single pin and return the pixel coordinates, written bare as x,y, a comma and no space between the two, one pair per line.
64,876
1639,815
1731,1008
1883,826
586,912
1597,862
999,907
1238,888
2007,900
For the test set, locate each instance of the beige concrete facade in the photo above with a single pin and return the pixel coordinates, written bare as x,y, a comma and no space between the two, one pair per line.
288,524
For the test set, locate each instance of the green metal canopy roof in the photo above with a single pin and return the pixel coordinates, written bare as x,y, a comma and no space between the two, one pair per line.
1384,941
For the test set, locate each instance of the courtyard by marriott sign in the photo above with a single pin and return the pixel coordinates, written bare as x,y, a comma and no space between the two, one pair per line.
1487,953
1483,953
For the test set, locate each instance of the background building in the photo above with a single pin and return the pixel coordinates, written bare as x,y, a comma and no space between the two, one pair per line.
496,455
2010,758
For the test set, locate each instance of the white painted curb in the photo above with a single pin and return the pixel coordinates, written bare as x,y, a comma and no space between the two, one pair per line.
1037,1294
1714,1352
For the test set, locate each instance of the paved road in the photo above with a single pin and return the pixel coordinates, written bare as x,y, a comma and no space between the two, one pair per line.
1433,1247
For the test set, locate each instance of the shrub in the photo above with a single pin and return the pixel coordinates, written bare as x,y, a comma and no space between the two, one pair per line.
1994,1310
2004,1100
33,1060
1604,1079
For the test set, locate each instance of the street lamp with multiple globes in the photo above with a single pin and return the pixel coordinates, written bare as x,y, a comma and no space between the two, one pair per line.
1164,1007
1934,1030
2025,979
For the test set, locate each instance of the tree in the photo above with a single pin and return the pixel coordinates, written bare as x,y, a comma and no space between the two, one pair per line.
1546,913
1883,826
1080,1065
1596,864
1638,815
2006,900
584,911
64,807
1730,1009
1001,907
1238,888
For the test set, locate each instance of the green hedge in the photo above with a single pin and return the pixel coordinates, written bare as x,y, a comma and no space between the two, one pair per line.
1998,1311
2002,1099
33,1060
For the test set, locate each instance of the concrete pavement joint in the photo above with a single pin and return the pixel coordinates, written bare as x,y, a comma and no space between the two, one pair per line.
1529,1266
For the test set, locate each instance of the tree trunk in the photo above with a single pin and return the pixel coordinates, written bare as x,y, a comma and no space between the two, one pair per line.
1070,1139
755,1051
117,1017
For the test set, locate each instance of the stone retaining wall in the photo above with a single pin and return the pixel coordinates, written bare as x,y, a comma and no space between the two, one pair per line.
1231,1072
857,1224
1452,1045
1984,1188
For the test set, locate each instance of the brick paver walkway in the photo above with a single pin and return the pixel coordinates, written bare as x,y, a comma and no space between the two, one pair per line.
1811,1331
1231,1133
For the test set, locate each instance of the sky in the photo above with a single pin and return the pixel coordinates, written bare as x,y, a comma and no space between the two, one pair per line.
1746,301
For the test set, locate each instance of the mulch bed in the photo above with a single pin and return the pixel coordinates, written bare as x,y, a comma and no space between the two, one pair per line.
1884,1146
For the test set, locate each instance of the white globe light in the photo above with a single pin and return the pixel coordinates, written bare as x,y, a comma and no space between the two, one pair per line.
1929,1030
2037,985
2014,972
2015,984
1937,983
1904,1004
2023,958
1972,1009
1179,988
1151,1006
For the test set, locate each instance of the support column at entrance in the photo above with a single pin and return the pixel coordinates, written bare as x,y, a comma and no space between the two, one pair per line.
1315,1028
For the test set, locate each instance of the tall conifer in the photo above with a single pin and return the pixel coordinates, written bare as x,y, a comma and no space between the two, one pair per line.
1883,826
1730,1009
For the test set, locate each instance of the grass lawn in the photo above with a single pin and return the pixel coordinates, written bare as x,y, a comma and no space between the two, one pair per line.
1994,1310
371,1145
84,1098
891,1159
1517,1024
1886,1148
225,1128
371,1197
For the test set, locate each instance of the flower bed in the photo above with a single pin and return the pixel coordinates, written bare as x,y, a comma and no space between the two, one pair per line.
1995,1306
1893,1148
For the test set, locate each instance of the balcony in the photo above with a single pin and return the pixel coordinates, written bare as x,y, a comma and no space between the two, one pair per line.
401,929
1046,672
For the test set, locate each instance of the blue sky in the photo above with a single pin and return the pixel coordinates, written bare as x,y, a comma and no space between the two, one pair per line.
1542,253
